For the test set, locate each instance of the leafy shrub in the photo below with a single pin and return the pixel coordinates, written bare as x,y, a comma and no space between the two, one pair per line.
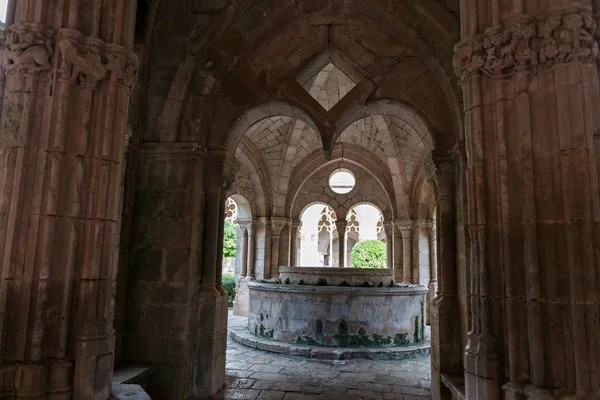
228,283
229,240
369,254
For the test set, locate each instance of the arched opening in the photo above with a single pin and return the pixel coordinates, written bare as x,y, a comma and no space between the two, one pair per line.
317,236
365,224
238,256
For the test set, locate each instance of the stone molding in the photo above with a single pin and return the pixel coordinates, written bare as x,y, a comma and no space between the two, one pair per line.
87,60
28,48
562,35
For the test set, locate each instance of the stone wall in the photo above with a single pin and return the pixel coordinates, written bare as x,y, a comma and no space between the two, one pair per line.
164,264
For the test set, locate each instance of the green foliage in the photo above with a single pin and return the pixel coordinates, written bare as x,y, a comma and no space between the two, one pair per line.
229,240
228,283
369,254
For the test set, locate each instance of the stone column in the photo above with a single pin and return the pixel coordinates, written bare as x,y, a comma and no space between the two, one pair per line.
446,347
63,130
405,228
263,248
388,227
240,305
277,224
244,252
433,285
398,255
420,257
530,88
251,229
211,342
294,228
341,225
213,219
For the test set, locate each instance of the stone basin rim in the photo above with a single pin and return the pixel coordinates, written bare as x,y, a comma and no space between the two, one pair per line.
337,270
368,291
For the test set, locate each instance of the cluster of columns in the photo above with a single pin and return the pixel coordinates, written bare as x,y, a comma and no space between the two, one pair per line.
530,87
63,130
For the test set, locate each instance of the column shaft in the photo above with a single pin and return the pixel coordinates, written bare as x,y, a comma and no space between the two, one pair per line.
61,151
533,203
277,224
341,226
251,250
405,228
389,243
295,226
244,253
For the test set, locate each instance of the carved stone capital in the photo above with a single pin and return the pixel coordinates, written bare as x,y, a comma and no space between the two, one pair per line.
28,48
277,224
122,64
87,60
82,61
560,36
405,227
422,223
341,225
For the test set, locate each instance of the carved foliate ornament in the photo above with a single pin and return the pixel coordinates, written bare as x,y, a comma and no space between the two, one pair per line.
28,48
567,37
122,64
87,60
561,37
82,58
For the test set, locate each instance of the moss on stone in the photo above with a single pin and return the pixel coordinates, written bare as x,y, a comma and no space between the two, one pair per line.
305,339
417,330
381,340
401,339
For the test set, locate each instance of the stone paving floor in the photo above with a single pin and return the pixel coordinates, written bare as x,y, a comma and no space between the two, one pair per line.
256,374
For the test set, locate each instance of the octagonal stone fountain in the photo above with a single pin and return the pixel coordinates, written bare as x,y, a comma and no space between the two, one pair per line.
337,307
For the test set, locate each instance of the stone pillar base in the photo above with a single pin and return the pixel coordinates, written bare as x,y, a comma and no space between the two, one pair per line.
242,298
211,345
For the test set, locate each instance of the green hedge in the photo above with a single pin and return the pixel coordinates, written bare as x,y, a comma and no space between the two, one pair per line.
369,254
228,283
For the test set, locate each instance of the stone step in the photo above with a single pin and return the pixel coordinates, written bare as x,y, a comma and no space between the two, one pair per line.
133,373
240,334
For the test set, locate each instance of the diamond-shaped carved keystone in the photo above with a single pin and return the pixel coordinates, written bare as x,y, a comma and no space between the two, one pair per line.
329,85
328,78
